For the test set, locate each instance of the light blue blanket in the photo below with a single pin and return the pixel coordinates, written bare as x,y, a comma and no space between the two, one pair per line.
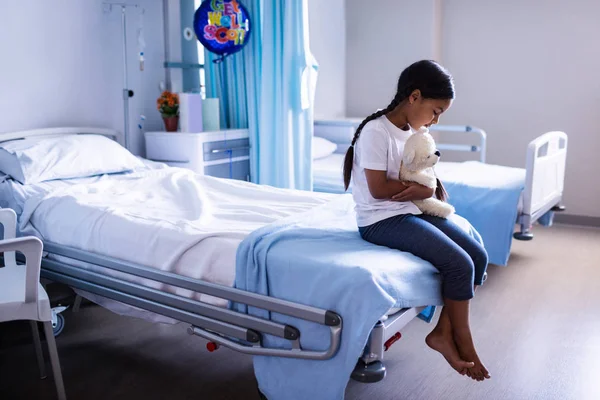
319,259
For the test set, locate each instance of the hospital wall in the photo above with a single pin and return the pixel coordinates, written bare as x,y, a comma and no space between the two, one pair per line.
62,65
522,68
383,36
327,35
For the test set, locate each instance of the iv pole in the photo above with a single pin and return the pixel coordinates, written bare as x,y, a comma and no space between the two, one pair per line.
127,93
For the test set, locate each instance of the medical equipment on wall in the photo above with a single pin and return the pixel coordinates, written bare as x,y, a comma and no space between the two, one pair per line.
141,41
141,122
127,93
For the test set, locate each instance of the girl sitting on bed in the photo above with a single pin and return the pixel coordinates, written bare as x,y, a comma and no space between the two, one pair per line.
387,217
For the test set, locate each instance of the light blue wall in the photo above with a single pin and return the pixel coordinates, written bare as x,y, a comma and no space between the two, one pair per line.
65,66
327,32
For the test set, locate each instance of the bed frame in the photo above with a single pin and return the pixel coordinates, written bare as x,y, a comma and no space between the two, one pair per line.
220,326
544,180
545,164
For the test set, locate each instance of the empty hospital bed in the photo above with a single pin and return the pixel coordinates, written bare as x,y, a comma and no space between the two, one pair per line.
279,274
492,197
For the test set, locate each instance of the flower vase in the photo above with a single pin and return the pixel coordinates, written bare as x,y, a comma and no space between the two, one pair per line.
171,123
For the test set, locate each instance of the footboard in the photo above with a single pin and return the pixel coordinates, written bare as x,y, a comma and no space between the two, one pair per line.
544,181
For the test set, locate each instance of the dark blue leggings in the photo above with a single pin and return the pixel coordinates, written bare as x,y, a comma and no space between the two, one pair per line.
461,260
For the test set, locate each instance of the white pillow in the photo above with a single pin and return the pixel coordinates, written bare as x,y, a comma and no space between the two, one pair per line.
322,148
36,160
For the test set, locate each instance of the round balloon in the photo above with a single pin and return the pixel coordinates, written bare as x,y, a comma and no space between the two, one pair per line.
222,26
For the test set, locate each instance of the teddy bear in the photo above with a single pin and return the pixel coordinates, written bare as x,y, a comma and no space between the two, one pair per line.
418,159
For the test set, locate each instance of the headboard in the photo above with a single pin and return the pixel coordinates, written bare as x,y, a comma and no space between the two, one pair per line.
58,131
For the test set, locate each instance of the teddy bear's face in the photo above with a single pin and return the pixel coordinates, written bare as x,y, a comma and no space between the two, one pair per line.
420,152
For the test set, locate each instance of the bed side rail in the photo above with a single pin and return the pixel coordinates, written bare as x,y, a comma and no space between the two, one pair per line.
239,331
342,131
482,136
544,180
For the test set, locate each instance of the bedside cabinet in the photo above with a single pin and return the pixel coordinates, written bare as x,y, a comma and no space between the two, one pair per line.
223,154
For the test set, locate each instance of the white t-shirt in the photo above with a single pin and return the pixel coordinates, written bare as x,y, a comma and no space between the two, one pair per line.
379,147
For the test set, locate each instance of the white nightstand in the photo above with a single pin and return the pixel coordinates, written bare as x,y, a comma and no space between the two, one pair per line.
224,154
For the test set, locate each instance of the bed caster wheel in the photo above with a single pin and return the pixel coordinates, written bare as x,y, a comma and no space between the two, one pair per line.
58,327
368,373
58,320
526,236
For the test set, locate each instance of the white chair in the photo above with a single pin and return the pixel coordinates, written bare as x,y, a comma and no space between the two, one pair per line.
22,297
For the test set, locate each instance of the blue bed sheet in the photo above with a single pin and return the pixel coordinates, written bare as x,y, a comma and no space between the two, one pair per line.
319,259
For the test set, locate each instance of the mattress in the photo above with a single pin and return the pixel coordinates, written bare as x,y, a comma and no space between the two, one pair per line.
327,174
166,218
477,174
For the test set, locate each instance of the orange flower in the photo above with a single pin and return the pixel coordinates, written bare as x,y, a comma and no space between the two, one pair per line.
167,103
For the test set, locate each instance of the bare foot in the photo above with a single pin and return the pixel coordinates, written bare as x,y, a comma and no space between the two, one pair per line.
444,344
466,349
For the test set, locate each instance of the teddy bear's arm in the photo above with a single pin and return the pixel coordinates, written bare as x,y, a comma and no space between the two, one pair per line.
425,178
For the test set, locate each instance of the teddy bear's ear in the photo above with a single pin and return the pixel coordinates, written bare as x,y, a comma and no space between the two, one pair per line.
410,156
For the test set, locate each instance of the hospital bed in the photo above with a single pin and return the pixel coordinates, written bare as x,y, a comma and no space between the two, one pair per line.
477,189
160,243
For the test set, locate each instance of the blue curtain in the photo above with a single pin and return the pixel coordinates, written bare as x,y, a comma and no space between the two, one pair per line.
231,76
269,88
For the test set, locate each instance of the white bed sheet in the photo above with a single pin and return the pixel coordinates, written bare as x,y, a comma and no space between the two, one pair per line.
327,173
329,168
170,219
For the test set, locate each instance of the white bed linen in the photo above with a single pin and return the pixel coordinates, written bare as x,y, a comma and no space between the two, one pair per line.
330,167
170,219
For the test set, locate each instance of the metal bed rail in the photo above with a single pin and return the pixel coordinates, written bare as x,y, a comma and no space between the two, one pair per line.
346,127
238,331
481,148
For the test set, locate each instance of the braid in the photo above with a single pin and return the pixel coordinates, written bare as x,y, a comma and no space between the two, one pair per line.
348,160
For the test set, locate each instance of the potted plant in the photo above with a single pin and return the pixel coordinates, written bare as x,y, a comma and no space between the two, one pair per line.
168,106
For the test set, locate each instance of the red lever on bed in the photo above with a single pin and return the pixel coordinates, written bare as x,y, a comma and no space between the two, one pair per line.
392,340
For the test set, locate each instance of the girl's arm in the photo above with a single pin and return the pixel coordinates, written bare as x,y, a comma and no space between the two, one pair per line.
383,188
414,191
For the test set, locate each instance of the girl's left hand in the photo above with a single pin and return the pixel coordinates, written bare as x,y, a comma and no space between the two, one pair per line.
414,191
